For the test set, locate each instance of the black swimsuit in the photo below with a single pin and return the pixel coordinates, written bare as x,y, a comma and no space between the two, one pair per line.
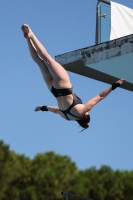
65,92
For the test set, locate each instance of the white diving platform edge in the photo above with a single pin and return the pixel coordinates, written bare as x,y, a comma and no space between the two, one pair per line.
106,62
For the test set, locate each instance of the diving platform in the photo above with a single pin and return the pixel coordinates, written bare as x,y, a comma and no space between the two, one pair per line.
106,62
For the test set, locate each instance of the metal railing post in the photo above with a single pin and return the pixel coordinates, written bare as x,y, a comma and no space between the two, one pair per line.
98,35
98,21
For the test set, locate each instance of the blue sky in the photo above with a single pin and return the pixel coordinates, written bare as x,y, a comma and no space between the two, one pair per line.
61,26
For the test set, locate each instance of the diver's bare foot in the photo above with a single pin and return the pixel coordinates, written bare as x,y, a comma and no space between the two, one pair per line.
27,31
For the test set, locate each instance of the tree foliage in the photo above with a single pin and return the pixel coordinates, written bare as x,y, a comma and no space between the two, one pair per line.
45,176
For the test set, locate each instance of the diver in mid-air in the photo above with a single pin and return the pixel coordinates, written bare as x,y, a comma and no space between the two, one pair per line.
70,106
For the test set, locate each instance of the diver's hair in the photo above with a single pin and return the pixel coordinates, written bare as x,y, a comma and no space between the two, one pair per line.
84,121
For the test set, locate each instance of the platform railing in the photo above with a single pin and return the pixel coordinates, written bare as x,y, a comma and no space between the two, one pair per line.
98,20
105,1
66,194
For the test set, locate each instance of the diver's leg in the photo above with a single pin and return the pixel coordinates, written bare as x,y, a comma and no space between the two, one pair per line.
43,68
59,74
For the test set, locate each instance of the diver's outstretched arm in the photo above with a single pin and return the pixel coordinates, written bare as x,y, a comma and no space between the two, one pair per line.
91,103
113,87
53,109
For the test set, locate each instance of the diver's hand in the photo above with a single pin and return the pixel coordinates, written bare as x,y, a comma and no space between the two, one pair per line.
118,83
38,108
121,81
42,108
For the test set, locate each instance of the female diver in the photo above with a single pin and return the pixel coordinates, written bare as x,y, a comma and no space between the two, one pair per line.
70,106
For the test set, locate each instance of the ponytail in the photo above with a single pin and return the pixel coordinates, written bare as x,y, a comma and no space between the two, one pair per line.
84,122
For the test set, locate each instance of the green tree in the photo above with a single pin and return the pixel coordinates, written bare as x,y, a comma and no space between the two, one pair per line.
7,169
53,173
127,180
15,177
48,174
